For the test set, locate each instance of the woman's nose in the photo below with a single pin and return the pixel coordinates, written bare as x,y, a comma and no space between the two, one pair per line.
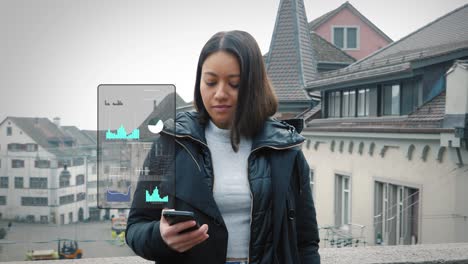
221,91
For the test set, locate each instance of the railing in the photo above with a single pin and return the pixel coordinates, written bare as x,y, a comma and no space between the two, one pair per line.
422,254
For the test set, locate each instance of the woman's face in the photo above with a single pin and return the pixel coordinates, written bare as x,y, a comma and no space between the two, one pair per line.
219,87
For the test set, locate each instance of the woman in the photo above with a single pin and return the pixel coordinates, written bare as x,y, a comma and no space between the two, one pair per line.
239,170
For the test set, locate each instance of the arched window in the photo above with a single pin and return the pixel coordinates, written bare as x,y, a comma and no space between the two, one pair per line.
350,147
425,153
341,146
440,154
411,149
361,148
371,149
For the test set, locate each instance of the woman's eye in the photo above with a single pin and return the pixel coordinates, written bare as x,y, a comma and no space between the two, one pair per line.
210,83
235,85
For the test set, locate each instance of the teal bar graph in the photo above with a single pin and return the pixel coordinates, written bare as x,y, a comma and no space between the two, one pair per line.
122,134
155,197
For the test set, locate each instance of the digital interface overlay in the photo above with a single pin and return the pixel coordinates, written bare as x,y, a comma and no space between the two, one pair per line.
135,159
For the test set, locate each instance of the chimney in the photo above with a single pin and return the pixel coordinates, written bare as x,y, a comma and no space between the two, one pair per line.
57,121
155,105
456,105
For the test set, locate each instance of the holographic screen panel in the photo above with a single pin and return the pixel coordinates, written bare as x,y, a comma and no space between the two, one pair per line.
135,156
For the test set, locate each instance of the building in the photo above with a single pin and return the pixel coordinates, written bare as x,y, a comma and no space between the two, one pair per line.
43,171
349,30
389,151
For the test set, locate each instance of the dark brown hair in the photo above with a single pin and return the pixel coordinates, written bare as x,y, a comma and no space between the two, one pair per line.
256,99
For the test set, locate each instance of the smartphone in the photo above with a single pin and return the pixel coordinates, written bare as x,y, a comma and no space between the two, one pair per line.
174,217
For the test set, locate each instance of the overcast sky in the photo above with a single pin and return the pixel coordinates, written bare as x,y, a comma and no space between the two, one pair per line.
54,53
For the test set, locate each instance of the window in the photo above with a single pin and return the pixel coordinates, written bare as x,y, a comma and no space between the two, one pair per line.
349,103
3,200
396,214
34,201
3,182
9,131
346,37
16,147
54,143
78,161
31,147
391,99
68,143
411,96
363,102
17,163
158,150
67,199
342,200
42,164
334,104
80,179
80,196
19,182
38,183
64,182
44,219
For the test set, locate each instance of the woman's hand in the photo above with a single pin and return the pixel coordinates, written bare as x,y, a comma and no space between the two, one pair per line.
182,242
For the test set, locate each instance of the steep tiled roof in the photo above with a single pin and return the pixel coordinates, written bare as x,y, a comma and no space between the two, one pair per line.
427,117
327,52
314,24
291,60
446,35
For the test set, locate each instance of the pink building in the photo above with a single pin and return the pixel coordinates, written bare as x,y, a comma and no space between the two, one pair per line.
349,30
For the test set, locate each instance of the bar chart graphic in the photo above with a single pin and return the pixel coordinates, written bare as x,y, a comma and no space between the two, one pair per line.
114,196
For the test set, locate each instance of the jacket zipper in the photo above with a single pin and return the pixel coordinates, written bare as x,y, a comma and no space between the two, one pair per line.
190,153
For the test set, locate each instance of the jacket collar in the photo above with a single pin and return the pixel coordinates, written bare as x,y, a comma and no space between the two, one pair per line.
275,133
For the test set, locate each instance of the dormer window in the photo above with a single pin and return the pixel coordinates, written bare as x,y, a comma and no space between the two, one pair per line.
334,109
349,103
391,99
363,102
345,37
388,99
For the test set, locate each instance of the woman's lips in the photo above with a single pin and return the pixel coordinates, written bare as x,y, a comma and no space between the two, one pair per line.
221,108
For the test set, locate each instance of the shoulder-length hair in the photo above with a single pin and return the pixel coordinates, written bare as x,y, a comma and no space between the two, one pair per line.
256,99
